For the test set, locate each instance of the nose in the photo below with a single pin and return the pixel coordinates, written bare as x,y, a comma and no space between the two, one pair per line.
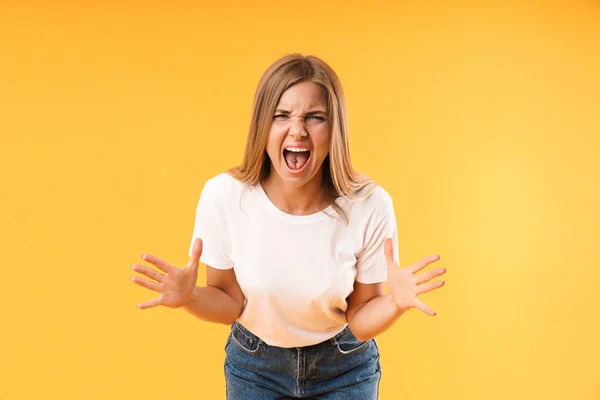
297,129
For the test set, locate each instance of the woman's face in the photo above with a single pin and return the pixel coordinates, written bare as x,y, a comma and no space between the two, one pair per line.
299,137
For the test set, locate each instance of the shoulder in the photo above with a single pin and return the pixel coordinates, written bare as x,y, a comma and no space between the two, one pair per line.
222,187
379,198
223,181
372,205
373,199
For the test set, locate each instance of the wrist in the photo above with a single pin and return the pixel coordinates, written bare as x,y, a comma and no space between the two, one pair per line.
398,310
192,297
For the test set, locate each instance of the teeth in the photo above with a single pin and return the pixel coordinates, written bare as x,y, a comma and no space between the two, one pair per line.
296,149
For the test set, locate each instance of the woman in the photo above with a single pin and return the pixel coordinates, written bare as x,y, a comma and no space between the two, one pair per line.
298,248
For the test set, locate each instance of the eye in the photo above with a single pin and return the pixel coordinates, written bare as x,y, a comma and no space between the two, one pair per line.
280,116
314,119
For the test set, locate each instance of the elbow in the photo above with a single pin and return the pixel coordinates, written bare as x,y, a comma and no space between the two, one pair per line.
228,319
227,322
359,334
231,317
362,338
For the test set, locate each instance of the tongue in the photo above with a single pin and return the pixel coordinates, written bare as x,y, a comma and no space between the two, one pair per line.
296,160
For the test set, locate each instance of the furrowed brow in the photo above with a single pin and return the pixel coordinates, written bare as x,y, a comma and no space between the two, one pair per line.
316,112
281,111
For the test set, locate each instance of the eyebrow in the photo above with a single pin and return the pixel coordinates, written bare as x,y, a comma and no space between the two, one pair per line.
282,111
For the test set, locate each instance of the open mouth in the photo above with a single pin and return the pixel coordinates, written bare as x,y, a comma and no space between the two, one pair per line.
296,158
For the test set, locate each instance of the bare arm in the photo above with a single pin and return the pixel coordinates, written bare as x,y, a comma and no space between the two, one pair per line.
221,301
371,311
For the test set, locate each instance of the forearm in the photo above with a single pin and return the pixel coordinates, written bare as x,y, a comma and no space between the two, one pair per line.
213,305
374,317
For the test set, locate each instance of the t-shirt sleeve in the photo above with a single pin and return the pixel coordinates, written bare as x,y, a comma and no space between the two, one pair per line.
210,227
371,263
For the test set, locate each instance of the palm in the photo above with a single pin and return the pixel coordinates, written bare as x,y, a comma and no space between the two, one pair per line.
178,286
405,286
175,285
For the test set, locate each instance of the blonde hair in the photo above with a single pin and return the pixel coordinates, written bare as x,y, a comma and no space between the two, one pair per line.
339,178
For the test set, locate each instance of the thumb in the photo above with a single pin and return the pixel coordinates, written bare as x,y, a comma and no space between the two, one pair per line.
196,253
388,249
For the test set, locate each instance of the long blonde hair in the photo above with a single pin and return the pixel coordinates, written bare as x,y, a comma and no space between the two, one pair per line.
339,178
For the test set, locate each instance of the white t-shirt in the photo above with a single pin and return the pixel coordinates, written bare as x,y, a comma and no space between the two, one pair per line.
295,271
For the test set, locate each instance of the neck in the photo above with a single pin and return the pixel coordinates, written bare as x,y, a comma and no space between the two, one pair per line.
305,200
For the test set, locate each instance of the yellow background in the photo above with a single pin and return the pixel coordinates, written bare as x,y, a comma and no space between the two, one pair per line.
480,118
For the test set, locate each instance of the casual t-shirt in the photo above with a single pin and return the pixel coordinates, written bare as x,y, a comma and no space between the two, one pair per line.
295,271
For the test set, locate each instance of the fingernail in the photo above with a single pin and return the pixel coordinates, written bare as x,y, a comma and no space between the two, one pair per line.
142,255
132,278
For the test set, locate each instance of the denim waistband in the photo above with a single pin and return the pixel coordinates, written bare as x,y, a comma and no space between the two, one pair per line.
341,365
253,338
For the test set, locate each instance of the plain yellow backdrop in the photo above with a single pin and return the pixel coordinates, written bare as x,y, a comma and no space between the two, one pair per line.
480,118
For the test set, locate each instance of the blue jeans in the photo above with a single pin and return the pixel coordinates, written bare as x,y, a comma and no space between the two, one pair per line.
341,368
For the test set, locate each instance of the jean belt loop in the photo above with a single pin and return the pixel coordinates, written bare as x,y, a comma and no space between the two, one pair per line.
333,340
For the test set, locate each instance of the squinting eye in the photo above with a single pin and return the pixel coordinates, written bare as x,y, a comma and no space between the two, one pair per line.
279,116
316,117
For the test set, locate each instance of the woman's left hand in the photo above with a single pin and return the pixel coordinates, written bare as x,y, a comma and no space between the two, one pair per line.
405,286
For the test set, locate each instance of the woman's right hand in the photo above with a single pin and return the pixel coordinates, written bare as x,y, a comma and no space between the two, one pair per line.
175,285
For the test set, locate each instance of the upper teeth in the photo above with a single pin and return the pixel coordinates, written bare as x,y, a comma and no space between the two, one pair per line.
296,149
